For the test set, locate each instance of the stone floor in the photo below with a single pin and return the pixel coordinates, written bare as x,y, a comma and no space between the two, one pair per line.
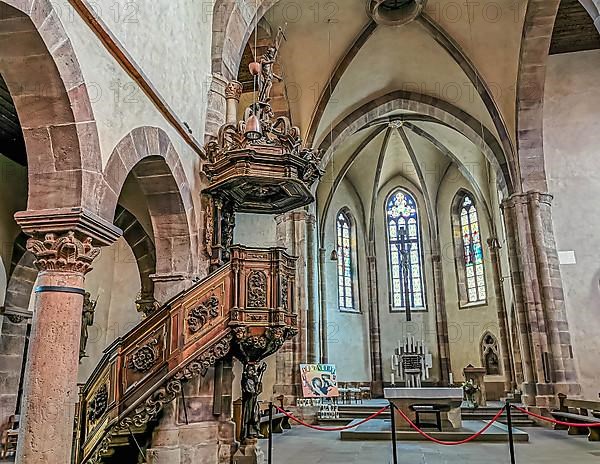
301,446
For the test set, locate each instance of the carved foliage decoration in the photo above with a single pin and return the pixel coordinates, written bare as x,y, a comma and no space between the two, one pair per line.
64,253
284,291
154,404
209,226
253,348
145,357
257,290
150,409
198,317
97,406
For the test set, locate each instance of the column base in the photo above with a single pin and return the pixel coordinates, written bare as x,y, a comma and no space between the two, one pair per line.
249,453
377,389
202,443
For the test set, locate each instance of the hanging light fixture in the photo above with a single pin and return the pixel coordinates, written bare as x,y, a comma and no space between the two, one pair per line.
253,126
334,255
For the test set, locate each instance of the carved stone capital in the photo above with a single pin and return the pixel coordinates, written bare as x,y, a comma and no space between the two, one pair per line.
67,252
233,91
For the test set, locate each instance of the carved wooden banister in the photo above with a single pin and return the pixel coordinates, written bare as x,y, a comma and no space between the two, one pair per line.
248,299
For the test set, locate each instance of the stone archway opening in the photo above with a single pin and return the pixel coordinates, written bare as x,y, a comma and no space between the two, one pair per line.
42,75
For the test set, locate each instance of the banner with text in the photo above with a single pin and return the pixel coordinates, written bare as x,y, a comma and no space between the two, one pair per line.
319,381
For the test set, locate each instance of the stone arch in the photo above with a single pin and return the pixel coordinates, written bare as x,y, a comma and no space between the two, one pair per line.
148,154
535,46
145,255
434,110
233,22
41,70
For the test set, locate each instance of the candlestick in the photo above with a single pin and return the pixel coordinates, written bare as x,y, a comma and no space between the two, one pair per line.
393,378
451,378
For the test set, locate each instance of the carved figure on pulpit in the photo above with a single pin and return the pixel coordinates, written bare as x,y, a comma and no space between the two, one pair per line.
87,319
251,389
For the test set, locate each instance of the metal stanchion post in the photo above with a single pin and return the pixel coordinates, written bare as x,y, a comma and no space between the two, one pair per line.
394,443
270,433
511,443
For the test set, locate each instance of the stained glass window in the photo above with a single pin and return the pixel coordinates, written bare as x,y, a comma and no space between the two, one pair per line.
473,251
344,262
404,243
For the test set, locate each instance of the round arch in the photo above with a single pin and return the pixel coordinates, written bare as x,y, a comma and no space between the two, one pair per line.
148,154
233,23
42,72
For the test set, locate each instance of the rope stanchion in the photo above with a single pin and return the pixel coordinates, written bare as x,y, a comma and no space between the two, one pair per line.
394,438
270,461
449,443
511,441
330,429
554,421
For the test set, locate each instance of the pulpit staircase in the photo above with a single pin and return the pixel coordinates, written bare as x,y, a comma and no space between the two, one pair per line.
249,299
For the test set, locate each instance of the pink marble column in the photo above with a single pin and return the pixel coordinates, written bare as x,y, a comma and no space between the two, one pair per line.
50,388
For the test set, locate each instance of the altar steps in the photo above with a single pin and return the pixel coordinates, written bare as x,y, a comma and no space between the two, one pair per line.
350,412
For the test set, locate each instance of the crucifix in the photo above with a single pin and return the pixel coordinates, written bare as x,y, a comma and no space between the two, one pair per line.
405,254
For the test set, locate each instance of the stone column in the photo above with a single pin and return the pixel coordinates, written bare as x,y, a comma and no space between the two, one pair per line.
505,345
323,305
216,106
312,270
374,326
441,316
64,244
233,92
292,234
548,367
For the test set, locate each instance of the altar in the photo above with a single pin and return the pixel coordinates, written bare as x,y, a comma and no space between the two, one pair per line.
449,401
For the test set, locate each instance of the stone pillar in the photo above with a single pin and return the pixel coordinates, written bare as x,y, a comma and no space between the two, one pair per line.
191,431
292,234
166,286
312,270
505,345
323,305
65,244
13,335
374,326
216,106
539,300
233,92
441,317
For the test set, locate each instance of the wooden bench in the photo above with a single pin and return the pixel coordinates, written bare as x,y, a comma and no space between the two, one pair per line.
281,422
578,411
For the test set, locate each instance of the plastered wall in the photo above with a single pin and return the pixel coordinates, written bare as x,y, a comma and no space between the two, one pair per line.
571,147
466,325
348,332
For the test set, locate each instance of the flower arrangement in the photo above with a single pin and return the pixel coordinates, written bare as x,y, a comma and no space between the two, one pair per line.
471,389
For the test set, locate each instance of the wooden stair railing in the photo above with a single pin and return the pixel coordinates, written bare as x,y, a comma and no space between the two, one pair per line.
248,299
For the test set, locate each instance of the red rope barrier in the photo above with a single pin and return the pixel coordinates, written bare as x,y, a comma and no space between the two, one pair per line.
450,443
332,429
554,421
